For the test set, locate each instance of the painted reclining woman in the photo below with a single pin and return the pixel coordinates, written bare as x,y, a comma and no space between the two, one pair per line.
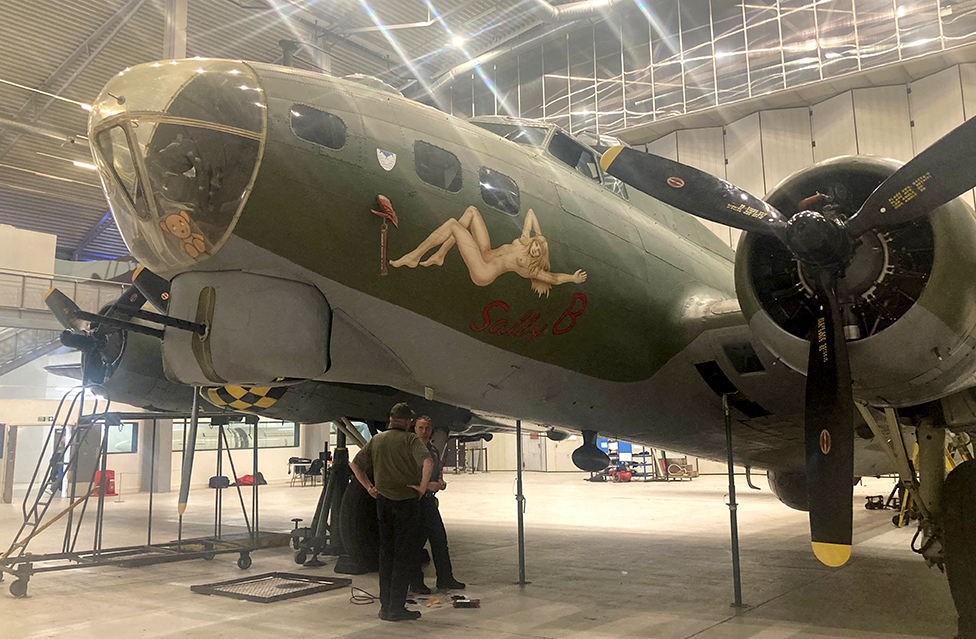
528,255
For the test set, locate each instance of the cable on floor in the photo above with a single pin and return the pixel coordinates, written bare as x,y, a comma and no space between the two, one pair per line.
360,597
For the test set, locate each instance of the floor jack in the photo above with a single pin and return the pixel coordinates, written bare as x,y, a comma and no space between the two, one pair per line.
321,538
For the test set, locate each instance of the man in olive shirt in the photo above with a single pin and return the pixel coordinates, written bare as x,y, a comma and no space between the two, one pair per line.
401,468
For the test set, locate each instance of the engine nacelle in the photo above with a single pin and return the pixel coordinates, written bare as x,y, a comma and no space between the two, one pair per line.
136,376
909,292
260,329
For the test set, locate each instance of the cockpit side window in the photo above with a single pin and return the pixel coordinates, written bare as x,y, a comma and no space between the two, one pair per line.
318,127
564,149
615,186
499,191
437,167
113,144
524,135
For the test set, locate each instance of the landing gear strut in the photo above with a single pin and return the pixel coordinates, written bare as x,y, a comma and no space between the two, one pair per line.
323,536
946,507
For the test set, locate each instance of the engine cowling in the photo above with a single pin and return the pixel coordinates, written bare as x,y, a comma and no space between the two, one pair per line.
908,295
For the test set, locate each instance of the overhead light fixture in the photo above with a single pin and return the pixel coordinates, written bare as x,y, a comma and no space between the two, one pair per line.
457,41
79,164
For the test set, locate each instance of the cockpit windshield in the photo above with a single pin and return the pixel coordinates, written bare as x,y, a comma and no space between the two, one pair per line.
527,135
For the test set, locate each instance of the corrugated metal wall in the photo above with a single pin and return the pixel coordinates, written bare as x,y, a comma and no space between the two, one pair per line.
764,148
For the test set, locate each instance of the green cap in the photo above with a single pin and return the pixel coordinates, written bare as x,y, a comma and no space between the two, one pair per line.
402,411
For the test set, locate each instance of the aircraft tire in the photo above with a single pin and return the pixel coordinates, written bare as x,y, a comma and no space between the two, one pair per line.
358,528
959,508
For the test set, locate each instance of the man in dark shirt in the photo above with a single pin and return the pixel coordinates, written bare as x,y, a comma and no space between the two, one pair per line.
432,524
401,466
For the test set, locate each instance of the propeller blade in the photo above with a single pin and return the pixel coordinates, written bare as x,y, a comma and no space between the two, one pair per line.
153,287
829,431
191,444
71,371
64,310
131,298
693,191
940,173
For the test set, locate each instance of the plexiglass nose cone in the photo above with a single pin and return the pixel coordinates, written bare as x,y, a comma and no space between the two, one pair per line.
178,144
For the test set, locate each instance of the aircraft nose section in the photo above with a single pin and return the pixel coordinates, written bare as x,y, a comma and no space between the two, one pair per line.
178,144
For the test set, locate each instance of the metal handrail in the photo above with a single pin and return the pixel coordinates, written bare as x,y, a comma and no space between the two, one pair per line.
25,341
58,276
33,286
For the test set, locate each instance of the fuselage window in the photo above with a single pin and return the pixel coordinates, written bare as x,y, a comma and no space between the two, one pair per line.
318,127
499,191
575,155
615,186
437,167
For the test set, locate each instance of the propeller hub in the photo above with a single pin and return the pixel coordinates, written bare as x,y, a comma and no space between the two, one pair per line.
865,271
867,268
79,341
818,241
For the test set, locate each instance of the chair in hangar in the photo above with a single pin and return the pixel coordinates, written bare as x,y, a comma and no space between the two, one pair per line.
314,470
298,467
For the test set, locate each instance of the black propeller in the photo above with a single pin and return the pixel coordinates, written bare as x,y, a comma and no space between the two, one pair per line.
940,173
98,337
824,246
153,287
829,430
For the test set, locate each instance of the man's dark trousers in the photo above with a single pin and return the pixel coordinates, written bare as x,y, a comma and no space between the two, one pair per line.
400,540
433,530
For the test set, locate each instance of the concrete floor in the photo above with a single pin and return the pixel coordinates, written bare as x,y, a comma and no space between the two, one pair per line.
604,560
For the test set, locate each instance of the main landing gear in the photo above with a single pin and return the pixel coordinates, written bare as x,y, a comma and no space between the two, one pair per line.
945,505
959,525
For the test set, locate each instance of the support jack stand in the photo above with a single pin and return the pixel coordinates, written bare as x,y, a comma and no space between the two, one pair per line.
733,507
322,537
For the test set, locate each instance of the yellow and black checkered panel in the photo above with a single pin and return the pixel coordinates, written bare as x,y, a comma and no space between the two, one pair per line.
244,399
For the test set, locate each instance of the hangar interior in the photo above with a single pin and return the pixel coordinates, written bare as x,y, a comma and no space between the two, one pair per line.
750,92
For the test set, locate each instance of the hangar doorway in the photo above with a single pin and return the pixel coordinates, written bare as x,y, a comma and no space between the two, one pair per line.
534,452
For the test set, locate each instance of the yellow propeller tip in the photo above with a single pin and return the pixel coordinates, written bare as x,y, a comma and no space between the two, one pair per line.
136,272
610,156
49,291
181,508
833,555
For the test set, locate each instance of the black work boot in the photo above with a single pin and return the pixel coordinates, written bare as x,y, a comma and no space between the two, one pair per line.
450,584
402,615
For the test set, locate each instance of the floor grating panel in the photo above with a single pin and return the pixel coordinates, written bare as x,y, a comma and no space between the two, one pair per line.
272,586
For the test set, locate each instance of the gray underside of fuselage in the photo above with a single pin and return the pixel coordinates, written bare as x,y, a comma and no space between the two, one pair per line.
375,342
